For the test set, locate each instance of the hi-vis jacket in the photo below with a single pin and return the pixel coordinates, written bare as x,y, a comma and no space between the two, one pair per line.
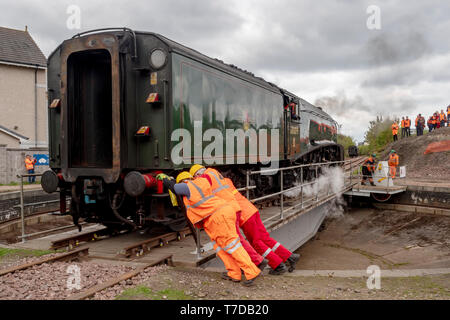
394,128
201,203
29,164
247,208
393,160
221,189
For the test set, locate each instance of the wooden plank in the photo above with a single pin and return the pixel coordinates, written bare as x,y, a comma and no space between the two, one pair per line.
63,257
112,282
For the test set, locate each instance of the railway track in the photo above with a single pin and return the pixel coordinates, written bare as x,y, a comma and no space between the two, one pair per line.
63,257
25,281
116,280
71,242
143,247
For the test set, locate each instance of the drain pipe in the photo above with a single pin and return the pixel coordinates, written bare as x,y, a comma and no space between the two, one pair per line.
35,107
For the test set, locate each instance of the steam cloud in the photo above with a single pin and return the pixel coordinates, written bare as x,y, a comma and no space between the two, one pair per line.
331,181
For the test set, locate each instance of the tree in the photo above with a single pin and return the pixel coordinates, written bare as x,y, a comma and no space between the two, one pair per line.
345,141
378,135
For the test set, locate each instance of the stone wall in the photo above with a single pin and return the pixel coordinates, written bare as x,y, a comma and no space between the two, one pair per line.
12,163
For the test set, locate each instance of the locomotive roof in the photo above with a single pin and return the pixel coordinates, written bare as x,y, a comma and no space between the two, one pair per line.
219,64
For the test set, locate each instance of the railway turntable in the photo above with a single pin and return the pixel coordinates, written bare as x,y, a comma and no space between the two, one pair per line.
383,187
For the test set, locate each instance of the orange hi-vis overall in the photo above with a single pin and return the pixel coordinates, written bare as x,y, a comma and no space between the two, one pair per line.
222,190
256,232
393,163
394,129
29,164
219,221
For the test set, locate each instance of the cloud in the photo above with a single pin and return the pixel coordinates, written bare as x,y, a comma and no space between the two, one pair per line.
322,52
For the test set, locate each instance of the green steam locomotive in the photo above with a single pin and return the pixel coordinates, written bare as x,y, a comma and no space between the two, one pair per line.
126,105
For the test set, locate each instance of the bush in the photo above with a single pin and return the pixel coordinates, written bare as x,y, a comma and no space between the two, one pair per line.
345,141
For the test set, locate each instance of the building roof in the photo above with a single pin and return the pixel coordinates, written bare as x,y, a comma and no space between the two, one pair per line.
17,46
12,133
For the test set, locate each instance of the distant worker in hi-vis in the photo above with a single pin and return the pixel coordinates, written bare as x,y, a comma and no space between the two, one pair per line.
407,127
393,162
395,130
29,165
218,219
368,169
254,229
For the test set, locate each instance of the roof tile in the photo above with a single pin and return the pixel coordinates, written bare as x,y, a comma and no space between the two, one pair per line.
18,46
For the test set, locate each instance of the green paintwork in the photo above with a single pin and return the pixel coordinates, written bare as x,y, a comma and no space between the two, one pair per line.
221,101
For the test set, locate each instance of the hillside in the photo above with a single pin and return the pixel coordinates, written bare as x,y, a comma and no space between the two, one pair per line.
435,166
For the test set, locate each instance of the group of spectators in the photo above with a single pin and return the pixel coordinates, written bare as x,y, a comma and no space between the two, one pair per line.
437,120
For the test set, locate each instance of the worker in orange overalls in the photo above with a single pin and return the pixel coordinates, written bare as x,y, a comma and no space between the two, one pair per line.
393,162
218,219
220,189
436,123
407,127
29,165
448,116
254,230
402,126
395,130
368,169
442,118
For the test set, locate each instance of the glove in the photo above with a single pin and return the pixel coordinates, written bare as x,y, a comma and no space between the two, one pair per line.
162,176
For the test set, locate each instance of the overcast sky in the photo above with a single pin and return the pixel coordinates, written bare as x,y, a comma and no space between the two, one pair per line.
322,51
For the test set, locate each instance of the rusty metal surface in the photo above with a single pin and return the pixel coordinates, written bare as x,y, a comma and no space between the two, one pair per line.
108,42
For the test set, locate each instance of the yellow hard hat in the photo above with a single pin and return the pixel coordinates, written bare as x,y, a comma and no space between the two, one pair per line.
183,175
195,168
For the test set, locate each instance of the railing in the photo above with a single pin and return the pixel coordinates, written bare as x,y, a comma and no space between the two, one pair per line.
22,213
304,203
23,205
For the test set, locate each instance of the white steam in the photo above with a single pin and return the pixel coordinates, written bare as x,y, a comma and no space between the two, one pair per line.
331,181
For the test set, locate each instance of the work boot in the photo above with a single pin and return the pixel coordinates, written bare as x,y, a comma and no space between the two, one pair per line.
278,270
292,261
372,184
263,264
251,282
225,276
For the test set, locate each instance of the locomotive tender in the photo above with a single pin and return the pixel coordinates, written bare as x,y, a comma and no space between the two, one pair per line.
117,95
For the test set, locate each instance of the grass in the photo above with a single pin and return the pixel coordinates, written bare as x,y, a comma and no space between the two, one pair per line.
14,183
6,252
143,292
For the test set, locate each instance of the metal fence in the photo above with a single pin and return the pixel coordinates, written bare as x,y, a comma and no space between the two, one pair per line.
304,202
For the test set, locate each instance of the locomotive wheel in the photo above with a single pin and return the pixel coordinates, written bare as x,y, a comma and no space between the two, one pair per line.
178,225
380,197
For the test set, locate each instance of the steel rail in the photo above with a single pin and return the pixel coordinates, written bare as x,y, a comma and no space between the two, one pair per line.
142,247
73,241
63,257
102,286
